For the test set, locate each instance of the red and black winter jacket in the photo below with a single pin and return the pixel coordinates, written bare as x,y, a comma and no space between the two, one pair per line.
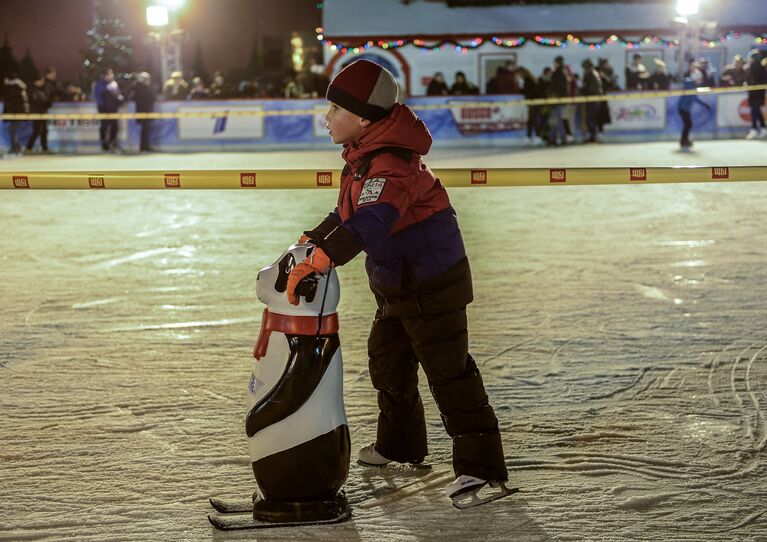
391,206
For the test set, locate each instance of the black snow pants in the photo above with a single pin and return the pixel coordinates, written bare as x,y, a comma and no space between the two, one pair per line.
426,323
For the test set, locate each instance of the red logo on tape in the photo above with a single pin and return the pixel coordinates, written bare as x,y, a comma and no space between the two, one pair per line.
248,180
173,180
720,173
20,181
637,174
324,178
478,176
96,182
557,175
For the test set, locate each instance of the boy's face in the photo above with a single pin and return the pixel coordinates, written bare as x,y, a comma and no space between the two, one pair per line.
344,126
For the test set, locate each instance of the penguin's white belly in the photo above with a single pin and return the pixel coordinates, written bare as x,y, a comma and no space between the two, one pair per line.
320,414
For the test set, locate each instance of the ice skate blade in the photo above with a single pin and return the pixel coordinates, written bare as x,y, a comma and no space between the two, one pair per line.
482,495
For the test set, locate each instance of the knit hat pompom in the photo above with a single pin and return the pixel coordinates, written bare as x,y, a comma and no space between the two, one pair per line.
364,88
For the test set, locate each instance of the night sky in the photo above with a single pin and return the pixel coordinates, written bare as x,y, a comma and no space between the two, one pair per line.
54,30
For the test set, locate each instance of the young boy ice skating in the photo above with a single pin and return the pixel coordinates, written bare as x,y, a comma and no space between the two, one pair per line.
392,207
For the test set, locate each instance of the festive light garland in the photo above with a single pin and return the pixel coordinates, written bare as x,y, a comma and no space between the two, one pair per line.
513,43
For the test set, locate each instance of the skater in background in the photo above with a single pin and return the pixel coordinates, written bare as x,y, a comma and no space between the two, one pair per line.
693,80
392,207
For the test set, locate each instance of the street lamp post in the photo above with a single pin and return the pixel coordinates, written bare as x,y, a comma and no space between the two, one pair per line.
690,25
160,16
687,22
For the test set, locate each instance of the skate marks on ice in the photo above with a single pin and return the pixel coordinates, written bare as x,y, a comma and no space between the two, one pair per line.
678,448
381,486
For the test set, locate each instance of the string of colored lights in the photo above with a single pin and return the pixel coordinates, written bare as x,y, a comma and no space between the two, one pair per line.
514,42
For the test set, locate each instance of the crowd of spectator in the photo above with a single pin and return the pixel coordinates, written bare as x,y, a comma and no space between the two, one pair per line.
310,83
550,124
554,124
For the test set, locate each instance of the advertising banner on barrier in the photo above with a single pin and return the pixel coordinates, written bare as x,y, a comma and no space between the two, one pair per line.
78,131
639,114
221,127
733,111
472,119
72,132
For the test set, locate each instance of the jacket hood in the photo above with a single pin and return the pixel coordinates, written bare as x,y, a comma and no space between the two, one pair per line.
402,128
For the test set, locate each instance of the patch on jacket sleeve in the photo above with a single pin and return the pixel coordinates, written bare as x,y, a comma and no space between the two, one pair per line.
371,190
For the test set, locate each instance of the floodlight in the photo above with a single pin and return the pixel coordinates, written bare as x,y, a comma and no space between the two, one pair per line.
687,7
157,15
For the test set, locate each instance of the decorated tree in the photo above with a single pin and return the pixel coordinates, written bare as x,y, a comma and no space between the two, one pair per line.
255,63
109,46
27,69
198,65
8,63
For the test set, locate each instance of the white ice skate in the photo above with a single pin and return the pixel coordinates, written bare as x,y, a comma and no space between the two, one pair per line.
763,133
752,134
469,491
369,457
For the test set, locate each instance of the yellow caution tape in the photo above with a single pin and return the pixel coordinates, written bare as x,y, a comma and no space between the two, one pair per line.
421,107
312,178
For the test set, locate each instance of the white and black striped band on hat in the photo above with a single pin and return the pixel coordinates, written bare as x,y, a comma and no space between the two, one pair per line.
350,103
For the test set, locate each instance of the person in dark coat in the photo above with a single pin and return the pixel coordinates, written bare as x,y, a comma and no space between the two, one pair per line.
108,98
592,86
637,76
661,79
559,87
40,127
709,79
462,86
544,82
505,80
51,87
218,90
530,90
39,102
735,74
608,75
392,207
757,75
437,86
15,101
144,96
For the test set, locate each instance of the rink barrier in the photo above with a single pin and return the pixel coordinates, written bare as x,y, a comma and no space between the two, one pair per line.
293,112
327,178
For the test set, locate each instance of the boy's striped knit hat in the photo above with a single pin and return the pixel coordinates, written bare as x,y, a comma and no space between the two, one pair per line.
364,88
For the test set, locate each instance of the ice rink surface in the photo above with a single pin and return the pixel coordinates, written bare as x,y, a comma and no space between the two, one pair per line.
620,331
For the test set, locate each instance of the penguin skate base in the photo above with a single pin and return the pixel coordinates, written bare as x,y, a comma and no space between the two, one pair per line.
239,522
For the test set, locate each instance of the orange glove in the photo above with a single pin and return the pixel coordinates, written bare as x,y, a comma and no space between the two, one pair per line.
316,262
303,239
